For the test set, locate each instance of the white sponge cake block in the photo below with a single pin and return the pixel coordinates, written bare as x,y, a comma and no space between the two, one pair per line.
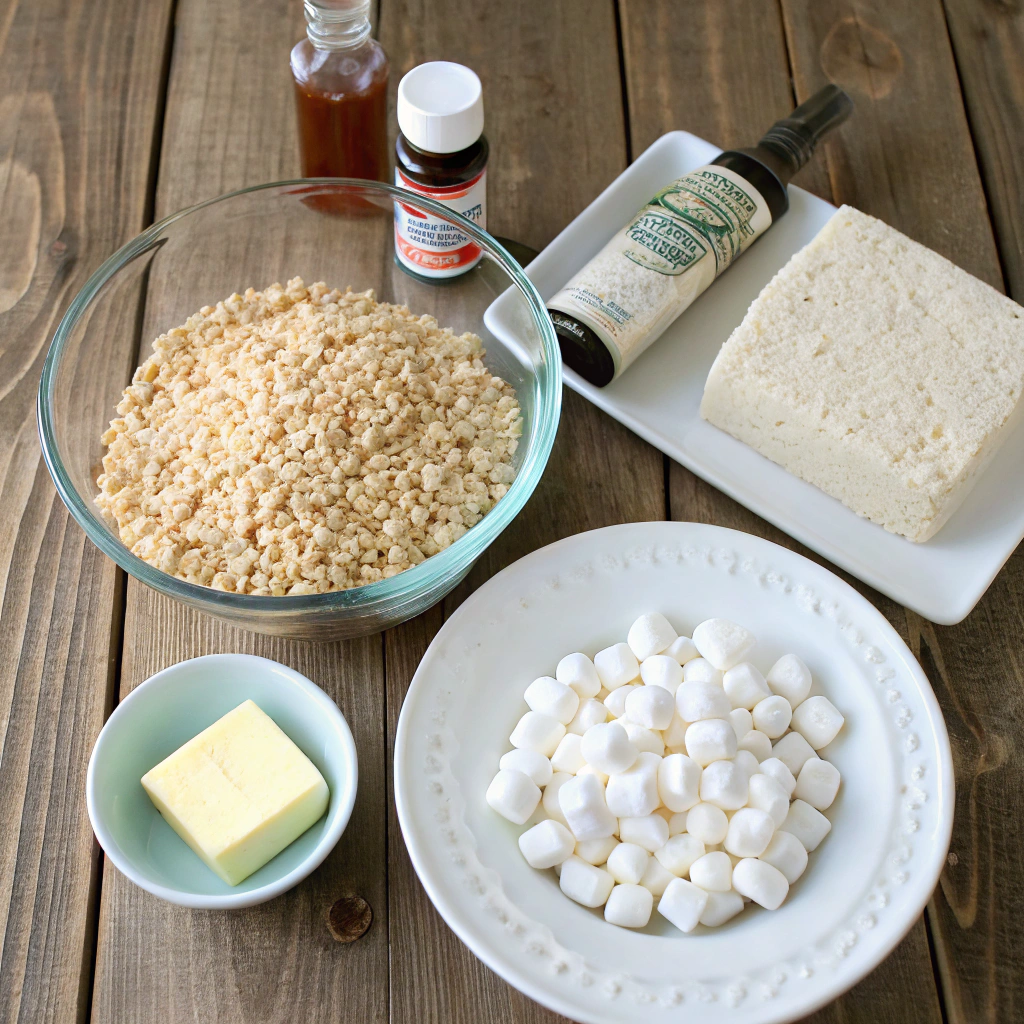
875,369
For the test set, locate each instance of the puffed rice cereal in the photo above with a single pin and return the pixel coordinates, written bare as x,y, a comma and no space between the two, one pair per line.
300,440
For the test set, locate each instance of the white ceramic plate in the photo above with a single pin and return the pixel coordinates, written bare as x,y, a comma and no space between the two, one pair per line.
865,885
659,399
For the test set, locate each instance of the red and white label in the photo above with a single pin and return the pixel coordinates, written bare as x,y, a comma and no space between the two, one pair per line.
432,247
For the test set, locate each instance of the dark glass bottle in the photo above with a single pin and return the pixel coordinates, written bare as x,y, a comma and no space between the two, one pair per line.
440,170
440,152
591,349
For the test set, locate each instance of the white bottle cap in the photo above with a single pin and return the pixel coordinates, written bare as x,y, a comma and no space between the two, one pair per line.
441,107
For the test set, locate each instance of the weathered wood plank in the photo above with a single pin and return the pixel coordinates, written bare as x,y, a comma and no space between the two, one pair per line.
230,123
988,40
914,156
552,152
75,141
732,103
718,70
976,667
905,156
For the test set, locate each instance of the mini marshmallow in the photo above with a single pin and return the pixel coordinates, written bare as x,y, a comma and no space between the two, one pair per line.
591,712
745,759
548,696
772,716
750,832
677,823
514,795
682,650
583,805
661,670
529,762
818,783
760,882
608,748
793,750
697,701
650,634
584,883
597,851
757,743
679,782
535,731
628,862
786,853
767,795
674,737
643,739
721,907
722,642
789,677
615,702
777,770
634,792
679,853
724,784
568,757
546,844
700,670
682,904
629,906
649,831
656,877
710,740
589,769
707,823
577,671
712,872
616,665
745,686
807,824
550,799
650,706
818,721
742,722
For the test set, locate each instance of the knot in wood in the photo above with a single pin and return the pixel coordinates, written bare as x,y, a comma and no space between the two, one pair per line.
349,918
860,57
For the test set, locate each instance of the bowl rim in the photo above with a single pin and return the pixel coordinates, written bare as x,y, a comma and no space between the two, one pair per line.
337,816
402,587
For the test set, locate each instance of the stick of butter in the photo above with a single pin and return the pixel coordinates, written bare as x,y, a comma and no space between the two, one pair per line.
238,793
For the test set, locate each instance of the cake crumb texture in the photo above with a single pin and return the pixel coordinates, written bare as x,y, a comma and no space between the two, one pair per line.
875,369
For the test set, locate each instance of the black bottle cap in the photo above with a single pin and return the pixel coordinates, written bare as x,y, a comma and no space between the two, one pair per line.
793,138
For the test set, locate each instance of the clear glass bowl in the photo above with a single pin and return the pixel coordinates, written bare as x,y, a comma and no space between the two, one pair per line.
332,230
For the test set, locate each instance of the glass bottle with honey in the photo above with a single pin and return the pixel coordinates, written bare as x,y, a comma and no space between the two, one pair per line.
341,82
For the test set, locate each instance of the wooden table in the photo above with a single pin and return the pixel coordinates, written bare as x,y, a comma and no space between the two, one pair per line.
117,112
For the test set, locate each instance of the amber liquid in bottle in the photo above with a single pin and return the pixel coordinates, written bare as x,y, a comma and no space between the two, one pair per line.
343,134
341,83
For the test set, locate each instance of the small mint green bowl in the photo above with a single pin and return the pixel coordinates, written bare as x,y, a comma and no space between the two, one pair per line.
171,707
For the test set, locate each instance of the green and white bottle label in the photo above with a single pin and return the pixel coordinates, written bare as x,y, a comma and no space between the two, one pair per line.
663,259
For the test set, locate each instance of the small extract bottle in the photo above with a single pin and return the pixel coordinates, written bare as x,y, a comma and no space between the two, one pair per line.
441,153
622,301
341,93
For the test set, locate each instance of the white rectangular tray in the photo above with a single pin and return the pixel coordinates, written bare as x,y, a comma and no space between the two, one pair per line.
659,399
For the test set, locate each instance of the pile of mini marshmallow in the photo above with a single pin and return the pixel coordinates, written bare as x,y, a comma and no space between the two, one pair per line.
671,769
